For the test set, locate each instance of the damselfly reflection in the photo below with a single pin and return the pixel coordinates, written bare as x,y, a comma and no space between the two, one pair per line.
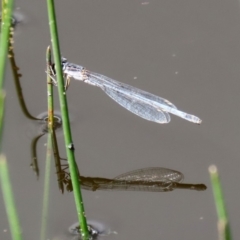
147,179
139,102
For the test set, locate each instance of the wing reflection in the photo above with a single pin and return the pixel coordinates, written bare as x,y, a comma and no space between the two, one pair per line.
148,179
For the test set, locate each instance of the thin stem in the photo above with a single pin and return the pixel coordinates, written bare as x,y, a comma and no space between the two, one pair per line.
44,223
49,150
7,7
9,200
49,91
223,224
2,100
66,123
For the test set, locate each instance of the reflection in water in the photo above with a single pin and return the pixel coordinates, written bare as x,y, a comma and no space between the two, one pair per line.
154,179
43,120
57,158
16,77
95,228
75,230
34,163
147,179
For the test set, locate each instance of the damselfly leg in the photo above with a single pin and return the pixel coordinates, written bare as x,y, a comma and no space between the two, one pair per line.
52,75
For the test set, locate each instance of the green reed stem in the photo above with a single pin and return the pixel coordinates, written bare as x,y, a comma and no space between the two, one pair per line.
2,100
66,123
44,223
9,200
223,223
6,23
49,150
49,90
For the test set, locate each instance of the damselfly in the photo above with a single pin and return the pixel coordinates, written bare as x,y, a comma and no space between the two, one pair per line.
139,102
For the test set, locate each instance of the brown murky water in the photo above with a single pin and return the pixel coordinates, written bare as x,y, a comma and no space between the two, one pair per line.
187,52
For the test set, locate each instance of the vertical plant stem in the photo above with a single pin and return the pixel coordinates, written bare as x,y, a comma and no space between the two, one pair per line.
44,223
7,6
66,123
223,223
2,100
9,200
49,90
49,150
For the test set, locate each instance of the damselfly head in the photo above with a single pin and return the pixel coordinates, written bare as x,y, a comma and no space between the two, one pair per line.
64,63
64,60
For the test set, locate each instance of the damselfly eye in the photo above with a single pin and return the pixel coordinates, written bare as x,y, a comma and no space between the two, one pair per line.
64,60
